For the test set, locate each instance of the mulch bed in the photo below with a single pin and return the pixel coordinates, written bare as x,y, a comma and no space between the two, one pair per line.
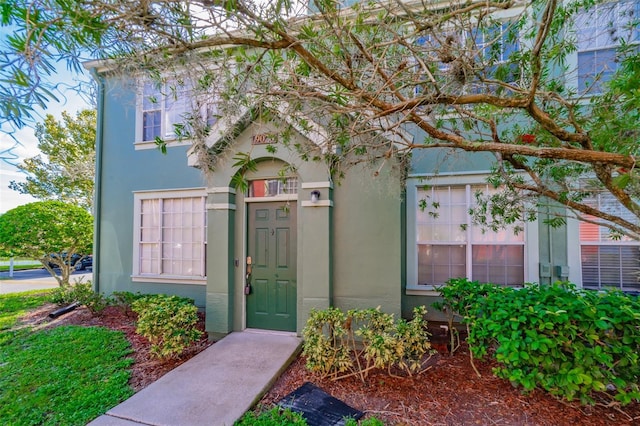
447,393
450,393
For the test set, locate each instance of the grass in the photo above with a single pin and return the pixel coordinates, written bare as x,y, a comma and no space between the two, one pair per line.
5,268
64,375
14,305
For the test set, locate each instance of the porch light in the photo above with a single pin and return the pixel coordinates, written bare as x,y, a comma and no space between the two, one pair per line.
315,196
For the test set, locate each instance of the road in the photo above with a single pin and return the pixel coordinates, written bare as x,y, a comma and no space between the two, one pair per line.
35,279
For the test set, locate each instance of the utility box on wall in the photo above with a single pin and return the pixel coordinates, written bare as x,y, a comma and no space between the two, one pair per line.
545,270
562,271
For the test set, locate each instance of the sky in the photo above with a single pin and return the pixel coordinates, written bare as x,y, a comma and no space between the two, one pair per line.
28,144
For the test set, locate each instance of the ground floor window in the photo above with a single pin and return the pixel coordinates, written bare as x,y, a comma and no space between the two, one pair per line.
170,234
609,261
450,245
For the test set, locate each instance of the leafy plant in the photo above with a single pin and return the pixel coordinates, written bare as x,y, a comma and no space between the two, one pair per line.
168,322
124,300
332,351
274,417
569,342
82,293
371,421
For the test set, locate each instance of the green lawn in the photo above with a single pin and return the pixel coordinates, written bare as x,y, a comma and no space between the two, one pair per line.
37,265
15,305
65,375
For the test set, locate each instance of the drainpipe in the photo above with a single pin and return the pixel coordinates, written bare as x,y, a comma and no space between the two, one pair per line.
97,187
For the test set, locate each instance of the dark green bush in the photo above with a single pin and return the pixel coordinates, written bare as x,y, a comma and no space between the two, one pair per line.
569,342
168,322
124,300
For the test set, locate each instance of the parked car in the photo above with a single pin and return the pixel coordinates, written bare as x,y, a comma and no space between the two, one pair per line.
72,261
85,263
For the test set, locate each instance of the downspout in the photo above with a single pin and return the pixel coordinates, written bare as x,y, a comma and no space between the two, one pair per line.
97,194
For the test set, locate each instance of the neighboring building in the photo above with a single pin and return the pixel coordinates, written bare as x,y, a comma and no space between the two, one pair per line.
309,242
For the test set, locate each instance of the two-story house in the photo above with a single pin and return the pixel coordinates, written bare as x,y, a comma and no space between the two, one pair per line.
264,256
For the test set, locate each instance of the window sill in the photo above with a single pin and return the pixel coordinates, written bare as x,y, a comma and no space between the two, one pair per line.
426,290
168,279
142,145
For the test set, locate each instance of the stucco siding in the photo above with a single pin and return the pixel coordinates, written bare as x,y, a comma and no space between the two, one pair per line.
124,171
367,241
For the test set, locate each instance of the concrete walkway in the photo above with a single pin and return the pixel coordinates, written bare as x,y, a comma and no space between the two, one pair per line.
214,388
20,285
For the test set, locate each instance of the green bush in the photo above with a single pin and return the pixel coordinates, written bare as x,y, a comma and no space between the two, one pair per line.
168,322
571,343
274,417
124,300
83,294
331,350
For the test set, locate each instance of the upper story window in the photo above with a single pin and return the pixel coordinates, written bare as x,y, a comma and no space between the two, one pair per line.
449,245
489,47
165,110
600,32
497,42
607,262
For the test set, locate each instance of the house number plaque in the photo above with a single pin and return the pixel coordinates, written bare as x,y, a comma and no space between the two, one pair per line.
261,139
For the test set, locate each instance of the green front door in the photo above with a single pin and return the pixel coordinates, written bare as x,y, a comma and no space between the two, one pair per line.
272,247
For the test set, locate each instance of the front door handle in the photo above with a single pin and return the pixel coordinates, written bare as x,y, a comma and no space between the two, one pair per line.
247,283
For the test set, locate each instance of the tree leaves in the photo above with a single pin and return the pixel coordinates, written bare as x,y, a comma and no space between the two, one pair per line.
66,166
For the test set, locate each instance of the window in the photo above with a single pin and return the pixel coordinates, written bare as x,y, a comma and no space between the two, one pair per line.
163,107
600,32
170,235
497,42
449,245
608,263
491,47
273,187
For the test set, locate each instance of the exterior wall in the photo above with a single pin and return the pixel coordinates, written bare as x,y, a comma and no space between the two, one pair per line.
122,171
225,298
544,245
348,245
368,239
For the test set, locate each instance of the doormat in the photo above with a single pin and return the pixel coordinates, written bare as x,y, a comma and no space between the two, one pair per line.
318,407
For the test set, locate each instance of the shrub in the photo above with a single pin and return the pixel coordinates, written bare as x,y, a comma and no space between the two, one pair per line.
274,417
168,322
124,300
83,294
331,349
569,342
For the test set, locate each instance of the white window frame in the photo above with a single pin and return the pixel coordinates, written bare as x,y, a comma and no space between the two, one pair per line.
574,75
603,241
164,93
139,197
531,243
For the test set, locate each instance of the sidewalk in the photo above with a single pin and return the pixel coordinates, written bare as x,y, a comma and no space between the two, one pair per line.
16,286
214,388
